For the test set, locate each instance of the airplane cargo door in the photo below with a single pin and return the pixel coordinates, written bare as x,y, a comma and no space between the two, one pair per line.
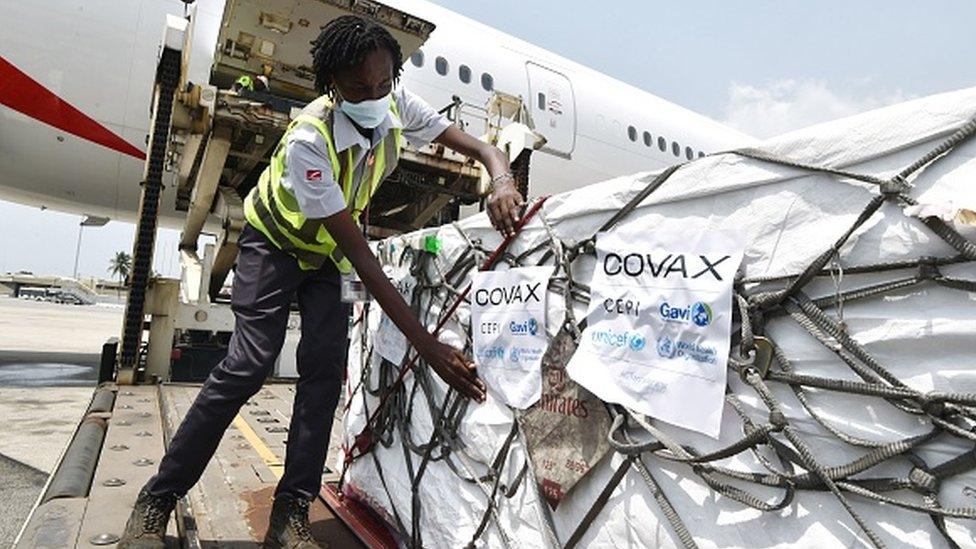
553,108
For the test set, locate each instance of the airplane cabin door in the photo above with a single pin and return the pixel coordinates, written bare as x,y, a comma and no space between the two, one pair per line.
553,108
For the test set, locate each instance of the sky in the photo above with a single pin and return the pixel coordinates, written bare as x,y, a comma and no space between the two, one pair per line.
764,67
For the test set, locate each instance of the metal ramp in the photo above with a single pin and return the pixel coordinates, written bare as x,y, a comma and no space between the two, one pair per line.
230,505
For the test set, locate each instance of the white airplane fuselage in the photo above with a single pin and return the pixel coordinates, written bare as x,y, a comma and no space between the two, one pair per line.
76,78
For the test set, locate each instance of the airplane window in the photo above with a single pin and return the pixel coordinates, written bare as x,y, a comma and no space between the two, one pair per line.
632,133
662,144
440,64
675,148
464,73
689,154
647,139
701,154
542,101
487,82
417,59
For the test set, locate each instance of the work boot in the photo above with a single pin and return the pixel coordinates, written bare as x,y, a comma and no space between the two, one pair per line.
146,527
288,527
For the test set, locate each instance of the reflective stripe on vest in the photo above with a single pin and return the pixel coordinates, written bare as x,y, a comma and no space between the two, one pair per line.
273,209
246,82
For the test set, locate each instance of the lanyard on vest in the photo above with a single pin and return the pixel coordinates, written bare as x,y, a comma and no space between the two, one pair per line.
364,216
368,173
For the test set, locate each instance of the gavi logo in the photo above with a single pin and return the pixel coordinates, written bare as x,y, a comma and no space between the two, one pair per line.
526,327
699,313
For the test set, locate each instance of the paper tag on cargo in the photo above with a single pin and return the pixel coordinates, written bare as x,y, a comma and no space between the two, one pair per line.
390,342
508,330
659,322
566,430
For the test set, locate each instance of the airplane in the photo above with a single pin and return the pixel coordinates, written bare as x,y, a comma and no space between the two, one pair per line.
76,80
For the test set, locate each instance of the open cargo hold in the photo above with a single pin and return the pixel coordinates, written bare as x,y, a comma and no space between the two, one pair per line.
858,273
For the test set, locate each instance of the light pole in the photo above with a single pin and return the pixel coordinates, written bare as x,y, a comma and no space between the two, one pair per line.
86,221
81,227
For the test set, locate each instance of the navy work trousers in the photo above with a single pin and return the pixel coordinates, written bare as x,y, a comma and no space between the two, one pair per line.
265,281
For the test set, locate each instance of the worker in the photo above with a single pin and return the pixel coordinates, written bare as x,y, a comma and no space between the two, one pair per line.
302,239
247,82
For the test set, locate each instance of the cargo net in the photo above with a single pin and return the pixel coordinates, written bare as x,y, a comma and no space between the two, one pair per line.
787,458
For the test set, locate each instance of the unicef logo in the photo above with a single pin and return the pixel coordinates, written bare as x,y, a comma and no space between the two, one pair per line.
701,314
666,347
492,353
637,343
534,326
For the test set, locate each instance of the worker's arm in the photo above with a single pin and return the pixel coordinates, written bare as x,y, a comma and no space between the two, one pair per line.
505,202
449,363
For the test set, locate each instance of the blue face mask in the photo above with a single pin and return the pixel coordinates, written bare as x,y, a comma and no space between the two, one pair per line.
368,113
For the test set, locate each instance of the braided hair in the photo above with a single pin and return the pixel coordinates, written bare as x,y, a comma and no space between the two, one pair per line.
344,42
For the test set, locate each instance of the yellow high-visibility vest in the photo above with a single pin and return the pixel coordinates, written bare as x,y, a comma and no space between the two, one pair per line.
273,209
246,82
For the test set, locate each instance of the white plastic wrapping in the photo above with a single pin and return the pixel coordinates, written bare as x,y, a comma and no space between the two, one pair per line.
925,335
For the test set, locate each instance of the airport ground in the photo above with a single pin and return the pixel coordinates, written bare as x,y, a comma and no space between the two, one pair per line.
49,358
49,355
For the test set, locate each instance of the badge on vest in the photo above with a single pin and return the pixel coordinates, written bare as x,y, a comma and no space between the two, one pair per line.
313,175
352,289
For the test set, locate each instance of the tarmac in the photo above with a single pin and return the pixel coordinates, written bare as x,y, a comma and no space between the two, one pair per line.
49,357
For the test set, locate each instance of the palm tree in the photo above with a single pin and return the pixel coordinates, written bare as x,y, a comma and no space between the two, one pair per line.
119,266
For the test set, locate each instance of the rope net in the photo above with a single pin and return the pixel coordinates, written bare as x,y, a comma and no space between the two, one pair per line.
829,429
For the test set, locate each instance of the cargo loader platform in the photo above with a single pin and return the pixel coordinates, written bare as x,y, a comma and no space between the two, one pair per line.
119,444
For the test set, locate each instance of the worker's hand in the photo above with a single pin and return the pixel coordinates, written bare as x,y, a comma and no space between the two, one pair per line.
454,368
505,206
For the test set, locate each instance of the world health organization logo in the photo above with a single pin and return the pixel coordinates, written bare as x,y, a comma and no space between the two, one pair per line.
701,314
666,347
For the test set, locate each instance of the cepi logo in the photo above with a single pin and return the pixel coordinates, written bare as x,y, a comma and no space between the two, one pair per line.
530,327
699,312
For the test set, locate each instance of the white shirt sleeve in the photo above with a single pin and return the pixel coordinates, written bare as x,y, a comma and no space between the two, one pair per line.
308,174
421,122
